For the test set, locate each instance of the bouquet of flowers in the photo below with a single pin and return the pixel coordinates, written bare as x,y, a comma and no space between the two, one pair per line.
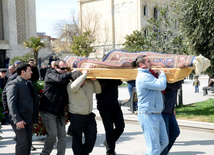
39,127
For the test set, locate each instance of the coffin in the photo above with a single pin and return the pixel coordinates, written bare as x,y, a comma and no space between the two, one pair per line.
117,65
172,74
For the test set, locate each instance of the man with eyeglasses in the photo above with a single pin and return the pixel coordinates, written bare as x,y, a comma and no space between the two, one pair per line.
52,104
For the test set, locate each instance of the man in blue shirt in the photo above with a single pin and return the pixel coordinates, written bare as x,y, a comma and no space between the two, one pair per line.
150,106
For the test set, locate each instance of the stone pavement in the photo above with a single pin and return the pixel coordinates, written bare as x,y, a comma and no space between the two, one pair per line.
189,97
191,141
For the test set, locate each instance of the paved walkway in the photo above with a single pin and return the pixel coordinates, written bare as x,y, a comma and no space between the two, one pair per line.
190,142
189,97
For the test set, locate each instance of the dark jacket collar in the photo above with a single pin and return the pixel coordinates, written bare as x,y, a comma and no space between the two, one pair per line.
19,78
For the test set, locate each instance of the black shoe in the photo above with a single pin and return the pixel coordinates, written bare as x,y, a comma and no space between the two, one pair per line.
69,133
114,153
33,148
105,143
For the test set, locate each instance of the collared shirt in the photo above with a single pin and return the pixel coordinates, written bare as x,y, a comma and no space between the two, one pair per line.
150,98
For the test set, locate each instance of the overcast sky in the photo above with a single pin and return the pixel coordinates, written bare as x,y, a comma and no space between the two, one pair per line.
48,12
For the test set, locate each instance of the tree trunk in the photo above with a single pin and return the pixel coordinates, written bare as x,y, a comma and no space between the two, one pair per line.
35,57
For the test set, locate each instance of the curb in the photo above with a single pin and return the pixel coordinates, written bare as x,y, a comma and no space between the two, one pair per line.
196,125
193,125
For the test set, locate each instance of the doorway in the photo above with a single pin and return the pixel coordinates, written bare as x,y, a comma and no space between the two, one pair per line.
2,58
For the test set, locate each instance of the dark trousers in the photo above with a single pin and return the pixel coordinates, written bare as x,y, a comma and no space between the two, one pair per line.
113,122
131,85
23,139
172,129
206,89
83,124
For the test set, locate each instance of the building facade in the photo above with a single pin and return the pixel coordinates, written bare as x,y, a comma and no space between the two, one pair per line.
118,18
17,24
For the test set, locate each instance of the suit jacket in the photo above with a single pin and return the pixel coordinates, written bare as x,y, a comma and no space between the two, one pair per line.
23,104
3,82
4,96
35,74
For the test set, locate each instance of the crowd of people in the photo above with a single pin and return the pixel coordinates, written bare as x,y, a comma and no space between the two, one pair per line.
156,102
21,102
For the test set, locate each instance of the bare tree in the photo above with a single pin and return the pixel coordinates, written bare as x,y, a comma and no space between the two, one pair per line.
90,22
66,29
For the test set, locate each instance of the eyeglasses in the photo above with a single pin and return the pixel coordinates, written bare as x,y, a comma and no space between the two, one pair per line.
64,68
31,62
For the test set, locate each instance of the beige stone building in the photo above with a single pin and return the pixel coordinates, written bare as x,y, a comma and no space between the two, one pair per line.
17,23
117,18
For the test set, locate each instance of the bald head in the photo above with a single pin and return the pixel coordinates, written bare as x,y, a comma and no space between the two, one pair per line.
12,69
53,64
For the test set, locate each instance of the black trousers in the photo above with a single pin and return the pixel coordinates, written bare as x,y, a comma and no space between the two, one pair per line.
113,122
83,124
23,139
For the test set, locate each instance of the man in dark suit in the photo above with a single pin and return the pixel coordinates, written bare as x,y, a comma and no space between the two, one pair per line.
23,105
3,77
35,74
43,72
3,81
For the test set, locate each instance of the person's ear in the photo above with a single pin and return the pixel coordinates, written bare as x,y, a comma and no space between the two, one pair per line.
142,65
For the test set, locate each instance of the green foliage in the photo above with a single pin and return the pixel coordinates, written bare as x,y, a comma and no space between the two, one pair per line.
201,111
38,87
196,22
82,45
135,42
35,44
24,59
159,37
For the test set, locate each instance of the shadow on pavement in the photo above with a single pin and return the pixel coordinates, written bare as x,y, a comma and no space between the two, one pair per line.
186,153
200,142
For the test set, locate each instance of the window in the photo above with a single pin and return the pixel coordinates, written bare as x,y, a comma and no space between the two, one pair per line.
166,14
145,32
156,14
145,10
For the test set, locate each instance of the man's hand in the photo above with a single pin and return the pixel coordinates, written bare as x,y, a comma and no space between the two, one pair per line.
93,79
174,113
85,71
162,71
21,124
159,71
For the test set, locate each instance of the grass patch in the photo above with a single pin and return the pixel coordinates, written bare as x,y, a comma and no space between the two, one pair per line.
124,84
200,111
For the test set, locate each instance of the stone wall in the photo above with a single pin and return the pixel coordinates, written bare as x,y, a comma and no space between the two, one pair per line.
1,23
118,18
19,24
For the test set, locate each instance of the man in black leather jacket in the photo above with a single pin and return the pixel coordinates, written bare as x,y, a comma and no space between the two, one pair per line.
53,101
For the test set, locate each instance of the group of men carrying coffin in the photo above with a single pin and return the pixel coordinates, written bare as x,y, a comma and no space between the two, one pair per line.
156,115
